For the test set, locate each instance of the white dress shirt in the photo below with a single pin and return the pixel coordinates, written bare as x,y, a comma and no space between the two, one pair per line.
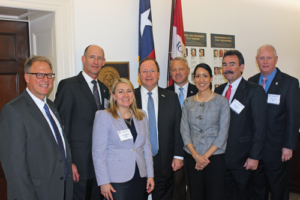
185,89
89,80
234,85
145,96
40,104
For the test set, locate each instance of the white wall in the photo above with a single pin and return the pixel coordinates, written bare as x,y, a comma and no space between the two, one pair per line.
113,25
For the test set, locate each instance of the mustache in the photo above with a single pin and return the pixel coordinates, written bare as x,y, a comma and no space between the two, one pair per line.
228,72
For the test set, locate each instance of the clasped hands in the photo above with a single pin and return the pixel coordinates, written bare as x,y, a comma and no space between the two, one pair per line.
201,162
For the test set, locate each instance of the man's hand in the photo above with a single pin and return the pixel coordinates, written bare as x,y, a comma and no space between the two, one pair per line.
251,164
75,173
177,164
287,154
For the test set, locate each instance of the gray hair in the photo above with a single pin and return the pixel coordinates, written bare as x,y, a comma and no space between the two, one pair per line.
179,58
268,46
33,59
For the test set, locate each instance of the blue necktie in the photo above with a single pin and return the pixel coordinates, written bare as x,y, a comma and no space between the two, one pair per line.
152,125
181,96
58,138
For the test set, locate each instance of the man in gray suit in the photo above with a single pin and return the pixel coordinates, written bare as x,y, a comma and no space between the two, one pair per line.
34,152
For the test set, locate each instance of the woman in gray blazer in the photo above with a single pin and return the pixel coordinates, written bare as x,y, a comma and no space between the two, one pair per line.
121,149
204,129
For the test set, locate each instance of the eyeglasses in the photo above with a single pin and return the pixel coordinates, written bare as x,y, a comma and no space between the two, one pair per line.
151,71
41,75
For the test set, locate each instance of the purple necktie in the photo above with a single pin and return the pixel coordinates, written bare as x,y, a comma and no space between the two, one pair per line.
263,83
96,94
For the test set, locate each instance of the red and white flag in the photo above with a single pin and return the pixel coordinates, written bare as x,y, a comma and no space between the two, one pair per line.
178,41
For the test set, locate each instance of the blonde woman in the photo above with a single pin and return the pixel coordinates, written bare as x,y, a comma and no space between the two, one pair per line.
121,147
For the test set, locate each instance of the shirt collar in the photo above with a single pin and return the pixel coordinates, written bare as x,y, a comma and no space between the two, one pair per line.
40,103
270,77
236,83
87,78
144,91
185,87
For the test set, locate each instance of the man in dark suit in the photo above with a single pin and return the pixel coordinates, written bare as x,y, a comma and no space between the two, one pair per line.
34,152
283,112
180,71
164,114
77,100
247,130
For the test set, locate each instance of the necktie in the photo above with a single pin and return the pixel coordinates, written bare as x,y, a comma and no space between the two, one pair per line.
181,96
263,83
152,125
58,138
96,94
228,92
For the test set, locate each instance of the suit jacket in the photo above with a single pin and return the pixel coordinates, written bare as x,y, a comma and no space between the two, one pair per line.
247,130
192,89
169,137
77,108
31,160
115,160
283,119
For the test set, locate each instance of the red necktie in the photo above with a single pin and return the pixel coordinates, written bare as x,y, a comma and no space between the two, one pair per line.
228,92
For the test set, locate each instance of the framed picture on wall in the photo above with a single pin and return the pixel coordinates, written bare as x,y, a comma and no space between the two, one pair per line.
113,70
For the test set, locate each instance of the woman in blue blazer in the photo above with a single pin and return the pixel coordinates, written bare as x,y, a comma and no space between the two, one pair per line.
121,146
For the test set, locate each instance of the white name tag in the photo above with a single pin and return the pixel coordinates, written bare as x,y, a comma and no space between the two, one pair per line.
125,135
236,106
274,99
106,103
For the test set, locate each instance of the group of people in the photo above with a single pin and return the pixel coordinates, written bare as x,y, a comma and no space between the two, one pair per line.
183,142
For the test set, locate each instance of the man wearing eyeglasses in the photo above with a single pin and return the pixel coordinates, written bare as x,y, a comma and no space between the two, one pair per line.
34,152
77,100
180,71
164,114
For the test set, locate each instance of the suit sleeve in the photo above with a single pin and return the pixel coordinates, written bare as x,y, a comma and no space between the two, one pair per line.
99,146
177,135
147,149
292,116
259,118
13,154
64,103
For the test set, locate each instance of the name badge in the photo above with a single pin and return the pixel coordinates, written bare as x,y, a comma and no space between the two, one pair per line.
106,103
236,106
273,99
125,135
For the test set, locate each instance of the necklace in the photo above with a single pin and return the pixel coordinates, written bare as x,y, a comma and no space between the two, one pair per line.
128,122
204,101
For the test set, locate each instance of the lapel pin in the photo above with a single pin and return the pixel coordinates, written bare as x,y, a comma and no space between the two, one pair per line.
191,91
276,83
163,95
103,90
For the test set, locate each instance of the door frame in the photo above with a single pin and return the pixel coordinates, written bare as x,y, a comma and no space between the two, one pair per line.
64,32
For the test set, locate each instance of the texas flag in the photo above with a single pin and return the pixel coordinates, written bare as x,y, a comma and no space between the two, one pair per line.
146,44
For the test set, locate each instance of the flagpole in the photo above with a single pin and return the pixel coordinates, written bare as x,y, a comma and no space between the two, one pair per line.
170,41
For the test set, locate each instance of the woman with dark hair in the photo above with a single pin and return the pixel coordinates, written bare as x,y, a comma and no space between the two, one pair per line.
121,149
204,129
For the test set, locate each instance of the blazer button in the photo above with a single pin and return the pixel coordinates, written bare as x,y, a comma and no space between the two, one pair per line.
60,161
201,104
199,117
133,149
61,178
201,131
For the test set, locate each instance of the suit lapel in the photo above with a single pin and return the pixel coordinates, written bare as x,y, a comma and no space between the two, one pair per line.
39,117
103,92
162,104
138,98
240,90
86,90
275,83
190,92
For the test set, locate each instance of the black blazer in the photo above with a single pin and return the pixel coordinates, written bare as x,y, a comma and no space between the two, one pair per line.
77,107
283,119
247,130
30,157
192,90
169,116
